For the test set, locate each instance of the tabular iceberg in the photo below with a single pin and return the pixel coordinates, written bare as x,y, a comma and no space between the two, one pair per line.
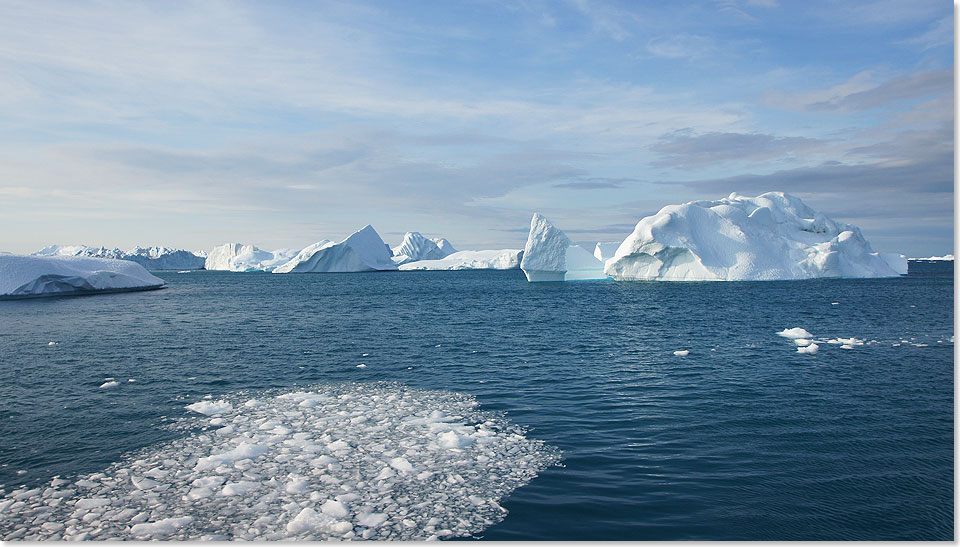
30,276
152,258
549,255
499,259
363,251
417,247
236,257
772,236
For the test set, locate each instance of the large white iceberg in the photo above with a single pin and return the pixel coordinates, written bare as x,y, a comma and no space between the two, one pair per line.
29,276
499,259
772,236
363,251
151,258
549,255
417,247
237,257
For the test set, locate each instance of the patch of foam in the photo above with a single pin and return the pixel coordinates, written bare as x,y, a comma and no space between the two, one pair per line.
795,332
360,461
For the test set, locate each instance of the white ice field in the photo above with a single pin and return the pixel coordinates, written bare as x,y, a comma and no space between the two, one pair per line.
346,461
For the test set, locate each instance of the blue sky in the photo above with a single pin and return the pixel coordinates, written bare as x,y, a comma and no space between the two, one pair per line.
190,124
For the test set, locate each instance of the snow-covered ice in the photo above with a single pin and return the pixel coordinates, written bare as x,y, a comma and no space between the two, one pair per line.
372,461
237,257
362,251
210,408
416,247
772,236
549,255
795,332
498,259
151,258
810,348
26,276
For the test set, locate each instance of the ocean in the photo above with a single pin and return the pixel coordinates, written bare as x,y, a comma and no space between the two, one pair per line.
743,438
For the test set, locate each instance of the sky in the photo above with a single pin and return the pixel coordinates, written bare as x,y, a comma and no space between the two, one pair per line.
191,124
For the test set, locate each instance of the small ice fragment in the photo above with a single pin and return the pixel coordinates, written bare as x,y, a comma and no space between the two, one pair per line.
109,384
51,343
238,488
364,355
361,365
834,303
795,332
371,520
90,503
210,408
335,509
682,352
802,341
401,464
846,346
163,527
131,380
811,348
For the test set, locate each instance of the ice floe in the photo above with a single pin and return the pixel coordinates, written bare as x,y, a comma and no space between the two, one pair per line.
362,461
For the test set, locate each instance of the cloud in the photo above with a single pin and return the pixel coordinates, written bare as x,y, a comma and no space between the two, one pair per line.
595,183
689,46
686,151
863,92
940,33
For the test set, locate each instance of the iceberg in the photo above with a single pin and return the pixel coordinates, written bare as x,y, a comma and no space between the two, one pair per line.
772,236
549,255
444,245
151,258
363,251
499,259
236,257
605,250
31,276
417,247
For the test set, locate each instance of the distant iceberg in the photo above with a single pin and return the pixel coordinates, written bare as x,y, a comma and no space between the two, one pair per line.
499,259
605,250
363,251
30,276
417,247
151,258
237,257
772,236
549,255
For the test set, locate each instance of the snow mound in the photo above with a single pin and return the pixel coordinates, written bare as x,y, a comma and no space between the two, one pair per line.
549,255
366,461
500,259
151,258
772,236
362,251
237,257
417,247
29,276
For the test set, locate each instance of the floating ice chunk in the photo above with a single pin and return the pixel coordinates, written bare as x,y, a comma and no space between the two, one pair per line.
361,365
143,483
802,341
90,503
335,509
210,408
298,485
401,464
810,348
795,332
51,343
371,520
239,488
107,385
243,451
451,439
308,520
682,352
160,528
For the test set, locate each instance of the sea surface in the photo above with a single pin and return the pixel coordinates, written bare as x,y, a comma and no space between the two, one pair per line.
742,439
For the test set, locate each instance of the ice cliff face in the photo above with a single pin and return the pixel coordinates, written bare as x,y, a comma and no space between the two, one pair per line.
417,247
363,251
29,276
236,257
772,236
499,259
151,258
549,255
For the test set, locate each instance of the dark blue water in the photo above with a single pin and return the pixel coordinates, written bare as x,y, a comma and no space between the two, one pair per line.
744,438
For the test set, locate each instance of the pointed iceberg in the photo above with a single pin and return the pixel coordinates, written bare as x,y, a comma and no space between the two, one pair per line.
363,251
549,255
417,247
772,236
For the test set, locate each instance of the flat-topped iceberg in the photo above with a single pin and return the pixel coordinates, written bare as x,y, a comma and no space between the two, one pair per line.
499,259
362,251
772,236
151,258
31,276
417,247
237,257
549,255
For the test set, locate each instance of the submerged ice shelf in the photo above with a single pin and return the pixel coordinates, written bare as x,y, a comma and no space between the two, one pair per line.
346,461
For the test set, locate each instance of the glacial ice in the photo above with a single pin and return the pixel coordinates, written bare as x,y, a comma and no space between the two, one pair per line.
606,249
772,236
549,255
237,257
500,259
362,251
28,276
420,465
151,258
417,247
445,246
